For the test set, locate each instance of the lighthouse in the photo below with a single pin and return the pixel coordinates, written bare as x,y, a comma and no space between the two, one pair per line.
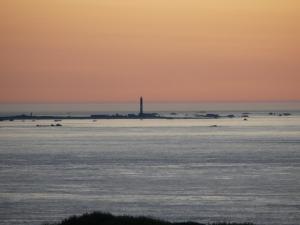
141,107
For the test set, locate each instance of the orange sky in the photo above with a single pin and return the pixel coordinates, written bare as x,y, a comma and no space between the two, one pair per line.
165,50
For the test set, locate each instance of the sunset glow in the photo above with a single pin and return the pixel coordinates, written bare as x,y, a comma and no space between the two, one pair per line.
179,50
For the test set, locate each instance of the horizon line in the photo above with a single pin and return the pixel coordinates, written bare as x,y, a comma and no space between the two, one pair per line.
157,102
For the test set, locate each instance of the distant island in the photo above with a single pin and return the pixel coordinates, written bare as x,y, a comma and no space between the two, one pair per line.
100,218
140,115
109,116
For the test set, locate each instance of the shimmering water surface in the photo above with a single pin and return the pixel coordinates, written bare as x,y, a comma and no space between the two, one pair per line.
172,169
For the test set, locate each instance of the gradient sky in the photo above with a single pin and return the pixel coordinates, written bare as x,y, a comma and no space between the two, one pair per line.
165,50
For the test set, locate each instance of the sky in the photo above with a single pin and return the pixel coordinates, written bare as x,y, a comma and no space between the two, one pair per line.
58,51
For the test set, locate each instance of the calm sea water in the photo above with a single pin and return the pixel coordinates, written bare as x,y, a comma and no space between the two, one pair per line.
172,169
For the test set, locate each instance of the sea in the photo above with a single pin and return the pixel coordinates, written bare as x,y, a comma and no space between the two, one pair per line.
203,170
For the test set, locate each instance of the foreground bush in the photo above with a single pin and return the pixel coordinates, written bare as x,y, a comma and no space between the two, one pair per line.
100,218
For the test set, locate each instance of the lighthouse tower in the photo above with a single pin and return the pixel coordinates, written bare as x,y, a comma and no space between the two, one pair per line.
141,107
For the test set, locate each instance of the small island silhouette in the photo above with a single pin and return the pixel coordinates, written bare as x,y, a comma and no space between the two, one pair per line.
101,218
140,115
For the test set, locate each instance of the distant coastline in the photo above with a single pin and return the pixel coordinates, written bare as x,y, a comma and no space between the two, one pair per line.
139,115
110,116
164,109
129,116
97,218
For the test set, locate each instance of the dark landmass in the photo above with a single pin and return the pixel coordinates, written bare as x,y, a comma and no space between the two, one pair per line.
128,116
100,218
279,114
113,116
50,125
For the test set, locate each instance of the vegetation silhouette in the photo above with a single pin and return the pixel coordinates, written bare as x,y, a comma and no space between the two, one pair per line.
101,218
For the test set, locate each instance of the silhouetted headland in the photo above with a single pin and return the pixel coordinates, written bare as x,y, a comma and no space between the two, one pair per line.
100,218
